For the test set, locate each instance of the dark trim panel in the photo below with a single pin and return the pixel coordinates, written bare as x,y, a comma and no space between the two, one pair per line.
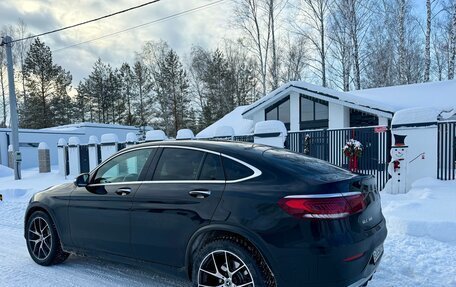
313,124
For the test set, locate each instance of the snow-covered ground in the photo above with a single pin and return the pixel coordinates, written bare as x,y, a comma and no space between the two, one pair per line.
420,249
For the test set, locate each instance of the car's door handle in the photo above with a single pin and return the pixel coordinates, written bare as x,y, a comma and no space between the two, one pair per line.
199,193
123,191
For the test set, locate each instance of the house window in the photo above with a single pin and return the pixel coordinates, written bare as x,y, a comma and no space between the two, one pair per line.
280,111
362,119
314,113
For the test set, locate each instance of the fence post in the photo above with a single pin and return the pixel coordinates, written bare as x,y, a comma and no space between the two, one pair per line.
10,156
93,152
224,132
61,156
155,135
108,145
273,133
185,134
44,160
131,139
73,156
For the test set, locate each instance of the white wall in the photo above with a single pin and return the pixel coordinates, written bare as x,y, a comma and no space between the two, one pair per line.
382,121
294,112
30,153
51,137
420,140
258,116
3,149
339,116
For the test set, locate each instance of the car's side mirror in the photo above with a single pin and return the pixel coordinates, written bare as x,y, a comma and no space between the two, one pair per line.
82,180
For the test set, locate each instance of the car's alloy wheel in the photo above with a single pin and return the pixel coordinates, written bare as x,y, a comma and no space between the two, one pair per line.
43,242
230,261
40,238
222,268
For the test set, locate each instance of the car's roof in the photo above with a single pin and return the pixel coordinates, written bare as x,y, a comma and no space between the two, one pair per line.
226,147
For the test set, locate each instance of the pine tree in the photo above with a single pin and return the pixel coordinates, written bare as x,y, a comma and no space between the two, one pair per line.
172,94
142,88
45,82
127,82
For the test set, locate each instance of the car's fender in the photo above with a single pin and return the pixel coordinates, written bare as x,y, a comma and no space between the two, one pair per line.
223,227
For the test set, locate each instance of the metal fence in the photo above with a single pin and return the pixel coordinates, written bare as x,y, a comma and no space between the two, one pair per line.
328,145
446,150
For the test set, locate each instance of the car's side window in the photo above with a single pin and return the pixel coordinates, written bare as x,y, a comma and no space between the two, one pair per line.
123,168
178,164
235,170
212,168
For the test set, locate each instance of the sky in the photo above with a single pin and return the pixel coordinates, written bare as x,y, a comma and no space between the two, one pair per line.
205,27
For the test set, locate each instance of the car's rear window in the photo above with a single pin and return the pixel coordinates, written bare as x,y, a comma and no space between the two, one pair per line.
306,167
235,170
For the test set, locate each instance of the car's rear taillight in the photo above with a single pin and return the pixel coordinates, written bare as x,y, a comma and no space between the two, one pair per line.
324,206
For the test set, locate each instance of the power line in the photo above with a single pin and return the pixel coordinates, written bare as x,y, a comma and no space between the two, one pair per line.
88,21
144,24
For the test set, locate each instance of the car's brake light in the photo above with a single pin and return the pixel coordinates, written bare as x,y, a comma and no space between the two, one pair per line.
324,206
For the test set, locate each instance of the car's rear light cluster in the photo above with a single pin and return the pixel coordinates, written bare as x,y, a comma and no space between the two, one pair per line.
323,206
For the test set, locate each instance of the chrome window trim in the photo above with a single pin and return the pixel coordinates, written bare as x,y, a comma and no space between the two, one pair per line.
256,171
119,153
329,195
191,148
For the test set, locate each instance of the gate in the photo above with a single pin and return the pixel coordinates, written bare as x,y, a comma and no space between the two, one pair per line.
328,145
84,158
446,150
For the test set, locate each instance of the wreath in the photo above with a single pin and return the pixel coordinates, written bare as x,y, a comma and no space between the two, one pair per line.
353,148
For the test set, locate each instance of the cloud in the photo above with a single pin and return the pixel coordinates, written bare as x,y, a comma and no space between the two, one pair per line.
204,27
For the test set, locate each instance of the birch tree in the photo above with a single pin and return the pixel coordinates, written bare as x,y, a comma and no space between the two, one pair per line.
253,19
3,86
310,23
452,46
427,49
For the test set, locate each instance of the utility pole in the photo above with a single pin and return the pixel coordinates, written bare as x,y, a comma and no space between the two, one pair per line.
13,108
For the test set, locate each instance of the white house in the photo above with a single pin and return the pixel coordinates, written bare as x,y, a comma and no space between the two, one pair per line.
29,139
303,106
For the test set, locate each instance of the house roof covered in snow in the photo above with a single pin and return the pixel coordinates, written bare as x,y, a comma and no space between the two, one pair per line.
381,101
327,94
441,95
234,119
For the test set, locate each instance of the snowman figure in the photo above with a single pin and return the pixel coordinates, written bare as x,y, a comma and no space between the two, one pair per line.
397,168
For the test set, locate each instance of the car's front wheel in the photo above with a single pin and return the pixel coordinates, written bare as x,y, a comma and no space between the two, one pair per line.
43,242
230,263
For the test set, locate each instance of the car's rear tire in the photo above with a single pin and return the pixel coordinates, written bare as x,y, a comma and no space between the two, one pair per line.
228,261
43,242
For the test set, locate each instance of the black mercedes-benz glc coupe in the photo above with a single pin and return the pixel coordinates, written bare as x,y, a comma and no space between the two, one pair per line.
219,213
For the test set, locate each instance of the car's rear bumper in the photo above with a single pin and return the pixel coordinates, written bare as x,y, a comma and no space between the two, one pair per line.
325,267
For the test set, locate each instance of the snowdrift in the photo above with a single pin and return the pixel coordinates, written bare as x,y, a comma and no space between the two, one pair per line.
426,211
5,171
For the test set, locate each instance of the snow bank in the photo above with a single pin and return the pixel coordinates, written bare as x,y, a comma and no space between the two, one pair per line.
5,171
427,210
72,141
62,142
267,127
436,94
184,134
224,131
233,119
131,138
43,145
93,140
415,116
109,138
156,135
